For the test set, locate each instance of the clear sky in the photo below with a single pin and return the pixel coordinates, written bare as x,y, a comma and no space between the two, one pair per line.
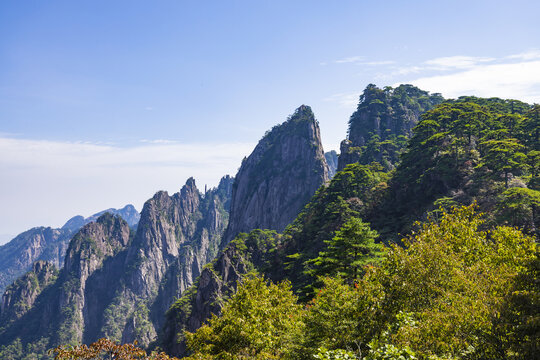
103,103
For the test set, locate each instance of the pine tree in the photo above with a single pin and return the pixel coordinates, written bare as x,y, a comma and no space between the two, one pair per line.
352,248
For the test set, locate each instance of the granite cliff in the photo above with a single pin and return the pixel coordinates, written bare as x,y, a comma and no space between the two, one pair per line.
20,296
118,283
279,177
272,186
48,244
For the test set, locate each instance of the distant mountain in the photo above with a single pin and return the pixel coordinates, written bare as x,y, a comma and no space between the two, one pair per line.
128,213
332,161
116,282
48,244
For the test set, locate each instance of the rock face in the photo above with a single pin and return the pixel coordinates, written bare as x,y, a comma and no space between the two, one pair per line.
332,161
216,283
47,244
117,283
176,237
382,123
198,305
41,243
20,296
88,252
279,177
272,186
60,313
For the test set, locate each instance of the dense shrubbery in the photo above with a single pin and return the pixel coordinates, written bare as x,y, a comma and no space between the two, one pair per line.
448,294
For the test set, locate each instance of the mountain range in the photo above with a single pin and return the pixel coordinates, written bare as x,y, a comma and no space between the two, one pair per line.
409,156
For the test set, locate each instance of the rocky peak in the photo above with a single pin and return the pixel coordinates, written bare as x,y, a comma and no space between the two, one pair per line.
176,236
383,120
40,243
21,295
94,242
128,213
279,177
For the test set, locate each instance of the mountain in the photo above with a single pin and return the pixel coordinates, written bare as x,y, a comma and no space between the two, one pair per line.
272,186
332,161
47,244
464,151
279,177
21,295
216,283
191,249
118,283
382,123
128,213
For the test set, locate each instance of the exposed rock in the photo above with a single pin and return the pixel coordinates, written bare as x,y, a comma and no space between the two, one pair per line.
20,296
118,285
177,235
41,243
332,161
273,184
279,177
88,251
47,244
217,282
382,122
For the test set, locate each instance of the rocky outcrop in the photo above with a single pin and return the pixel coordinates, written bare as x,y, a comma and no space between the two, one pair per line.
59,314
48,244
332,161
20,296
41,243
217,282
177,235
273,184
118,283
87,253
382,123
279,177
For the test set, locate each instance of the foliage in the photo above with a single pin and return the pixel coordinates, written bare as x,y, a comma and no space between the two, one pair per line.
353,192
352,248
521,207
520,316
466,150
452,278
341,316
260,321
382,123
339,354
105,349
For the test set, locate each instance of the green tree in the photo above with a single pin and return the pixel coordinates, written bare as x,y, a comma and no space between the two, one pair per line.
352,248
520,315
261,321
520,207
504,156
343,316
450,283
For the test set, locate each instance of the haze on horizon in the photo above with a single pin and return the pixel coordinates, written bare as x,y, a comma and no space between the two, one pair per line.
104,103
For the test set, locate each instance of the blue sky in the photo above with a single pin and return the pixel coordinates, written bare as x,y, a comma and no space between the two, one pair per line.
102,103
